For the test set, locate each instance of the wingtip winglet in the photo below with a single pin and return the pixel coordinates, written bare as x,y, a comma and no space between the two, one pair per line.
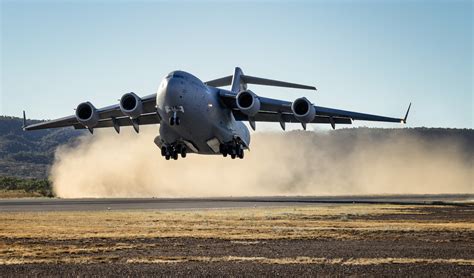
404,121
24,120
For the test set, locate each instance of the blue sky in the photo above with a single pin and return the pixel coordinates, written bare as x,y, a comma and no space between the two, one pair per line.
368,56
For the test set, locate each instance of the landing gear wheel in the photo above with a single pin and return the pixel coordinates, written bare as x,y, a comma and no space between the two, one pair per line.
223,150
233,149
240,151
171,121
183,152
167,157
175,155
177,120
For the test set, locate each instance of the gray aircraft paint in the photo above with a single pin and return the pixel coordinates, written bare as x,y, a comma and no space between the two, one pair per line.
203,117
200,117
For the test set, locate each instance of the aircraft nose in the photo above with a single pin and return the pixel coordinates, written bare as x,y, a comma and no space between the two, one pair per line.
173,86
174,91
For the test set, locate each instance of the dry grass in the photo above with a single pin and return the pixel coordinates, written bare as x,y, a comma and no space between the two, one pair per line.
8,194
24,236
261,260
338,222
17,253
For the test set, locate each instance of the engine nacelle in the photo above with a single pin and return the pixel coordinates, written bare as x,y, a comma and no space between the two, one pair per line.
248,103
131,105
87,114
303,110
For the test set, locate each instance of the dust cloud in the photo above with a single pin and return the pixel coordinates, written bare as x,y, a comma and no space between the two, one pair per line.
344,162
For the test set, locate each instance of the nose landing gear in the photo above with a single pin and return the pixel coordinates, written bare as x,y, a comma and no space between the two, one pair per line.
174,118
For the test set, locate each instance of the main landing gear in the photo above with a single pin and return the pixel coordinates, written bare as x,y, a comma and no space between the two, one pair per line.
172,151
234,149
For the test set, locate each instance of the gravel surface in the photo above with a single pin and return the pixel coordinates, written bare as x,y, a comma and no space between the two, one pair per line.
448,252
233,269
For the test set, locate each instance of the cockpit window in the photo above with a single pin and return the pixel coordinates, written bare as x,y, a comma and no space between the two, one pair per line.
175,75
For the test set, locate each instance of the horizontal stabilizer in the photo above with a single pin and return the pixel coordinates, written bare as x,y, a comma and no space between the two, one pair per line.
220,82
247,79
269,82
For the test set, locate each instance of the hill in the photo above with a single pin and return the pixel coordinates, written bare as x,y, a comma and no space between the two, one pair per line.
29,154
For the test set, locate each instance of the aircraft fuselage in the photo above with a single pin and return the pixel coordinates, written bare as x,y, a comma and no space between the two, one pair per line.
192,114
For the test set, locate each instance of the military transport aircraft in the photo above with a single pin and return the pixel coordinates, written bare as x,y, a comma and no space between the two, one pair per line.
200,117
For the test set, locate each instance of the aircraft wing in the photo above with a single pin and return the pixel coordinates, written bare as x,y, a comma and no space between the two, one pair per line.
109,116
266,116
274,110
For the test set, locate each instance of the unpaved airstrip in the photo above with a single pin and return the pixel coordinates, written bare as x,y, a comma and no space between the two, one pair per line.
289,239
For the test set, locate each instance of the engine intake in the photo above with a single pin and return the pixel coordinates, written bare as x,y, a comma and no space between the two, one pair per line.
248,102
131,105
87,114
303,110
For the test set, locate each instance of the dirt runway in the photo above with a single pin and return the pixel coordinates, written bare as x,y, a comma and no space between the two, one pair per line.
373,240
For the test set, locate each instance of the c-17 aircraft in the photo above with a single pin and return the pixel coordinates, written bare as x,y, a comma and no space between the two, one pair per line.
202,118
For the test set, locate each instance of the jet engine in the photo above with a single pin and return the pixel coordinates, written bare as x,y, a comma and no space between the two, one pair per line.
303,110
248,103
87,114
131,105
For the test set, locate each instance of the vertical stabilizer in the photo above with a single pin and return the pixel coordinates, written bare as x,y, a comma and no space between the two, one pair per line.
237,82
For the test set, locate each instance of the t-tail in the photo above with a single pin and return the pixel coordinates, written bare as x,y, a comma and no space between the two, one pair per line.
239,81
